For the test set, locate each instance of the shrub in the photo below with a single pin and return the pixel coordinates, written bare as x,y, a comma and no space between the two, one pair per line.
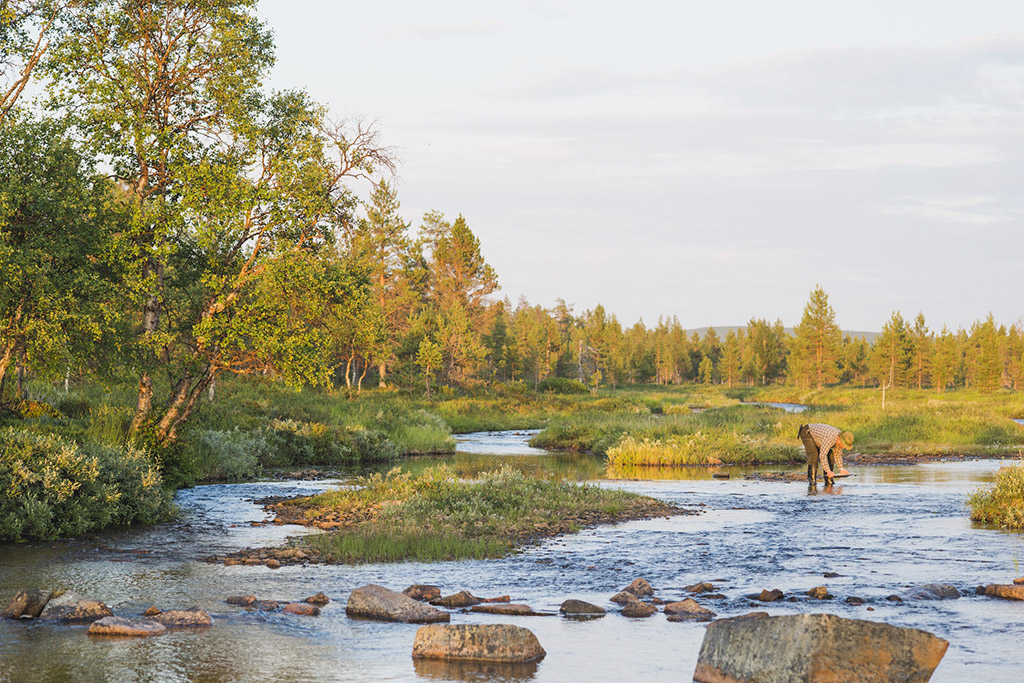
1003,504
231,455
53,487
561,385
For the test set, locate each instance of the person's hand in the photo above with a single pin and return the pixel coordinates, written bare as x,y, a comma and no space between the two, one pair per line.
842,472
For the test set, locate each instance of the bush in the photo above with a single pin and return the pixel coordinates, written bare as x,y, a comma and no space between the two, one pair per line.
1002,505
231,455
561,385
54,487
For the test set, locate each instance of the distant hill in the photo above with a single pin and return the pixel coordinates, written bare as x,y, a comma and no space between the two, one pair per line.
723,330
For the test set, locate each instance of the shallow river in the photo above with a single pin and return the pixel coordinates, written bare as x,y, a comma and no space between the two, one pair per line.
884,530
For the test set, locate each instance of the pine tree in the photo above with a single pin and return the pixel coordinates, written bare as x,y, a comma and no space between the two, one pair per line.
817,342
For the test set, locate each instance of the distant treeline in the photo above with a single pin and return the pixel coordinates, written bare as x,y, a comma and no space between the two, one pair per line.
166,219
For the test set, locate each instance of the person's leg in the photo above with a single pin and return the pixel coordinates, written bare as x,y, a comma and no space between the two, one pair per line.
811,449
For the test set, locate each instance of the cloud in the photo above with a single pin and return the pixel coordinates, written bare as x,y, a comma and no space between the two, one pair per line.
441,32
975,210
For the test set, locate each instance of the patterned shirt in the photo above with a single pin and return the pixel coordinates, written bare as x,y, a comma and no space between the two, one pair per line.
825,437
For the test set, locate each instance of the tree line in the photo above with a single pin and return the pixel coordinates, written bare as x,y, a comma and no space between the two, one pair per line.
166,217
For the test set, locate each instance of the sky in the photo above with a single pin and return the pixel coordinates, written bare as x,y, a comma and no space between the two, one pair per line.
713,161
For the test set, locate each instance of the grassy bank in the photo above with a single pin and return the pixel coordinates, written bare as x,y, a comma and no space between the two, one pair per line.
1003,504
435,516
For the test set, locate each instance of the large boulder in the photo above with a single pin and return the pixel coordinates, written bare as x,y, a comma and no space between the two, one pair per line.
579,608
192,617
486,642
125,627
688,610
377,602
638,610
815,647
1005,591
26,604
73,607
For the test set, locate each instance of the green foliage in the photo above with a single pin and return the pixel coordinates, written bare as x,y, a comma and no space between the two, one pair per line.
54,487
1003,504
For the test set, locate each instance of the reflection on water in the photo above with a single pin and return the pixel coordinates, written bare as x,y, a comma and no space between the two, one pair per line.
440,670
788,407
891,529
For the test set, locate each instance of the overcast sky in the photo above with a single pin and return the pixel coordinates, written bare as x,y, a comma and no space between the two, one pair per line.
708,160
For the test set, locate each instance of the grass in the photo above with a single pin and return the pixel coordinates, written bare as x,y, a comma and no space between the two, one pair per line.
435,516
1003,504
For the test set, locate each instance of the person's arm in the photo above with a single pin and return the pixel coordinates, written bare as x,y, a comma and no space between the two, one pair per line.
823,462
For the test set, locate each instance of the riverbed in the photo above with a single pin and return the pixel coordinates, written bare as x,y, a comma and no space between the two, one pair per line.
884,530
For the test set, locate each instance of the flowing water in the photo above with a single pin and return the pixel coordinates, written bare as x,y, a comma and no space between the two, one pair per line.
885,530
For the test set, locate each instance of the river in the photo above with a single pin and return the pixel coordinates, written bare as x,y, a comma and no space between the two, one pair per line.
885,530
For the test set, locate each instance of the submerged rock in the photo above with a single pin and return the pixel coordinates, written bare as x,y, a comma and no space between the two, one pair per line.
771,595
894,598
854,600
302,608
624,598
126,628
509,609
486,642
638,610
819,593
318,599
688,610
265,605
423,592
640,588
935,591
192,617
702,587
73,607
151,612
27,604
1005,591
1019,580
460,599
815,647
244,600
377,602
579,608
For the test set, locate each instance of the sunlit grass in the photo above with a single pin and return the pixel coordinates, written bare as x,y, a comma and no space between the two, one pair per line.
1003,504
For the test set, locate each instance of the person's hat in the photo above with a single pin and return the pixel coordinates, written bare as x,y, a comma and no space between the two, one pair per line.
846,439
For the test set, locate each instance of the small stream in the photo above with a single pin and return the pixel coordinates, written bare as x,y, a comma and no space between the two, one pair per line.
885,530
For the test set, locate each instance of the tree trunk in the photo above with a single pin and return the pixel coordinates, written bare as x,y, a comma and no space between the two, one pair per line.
382,369
150,326
348,375
212,390
359,385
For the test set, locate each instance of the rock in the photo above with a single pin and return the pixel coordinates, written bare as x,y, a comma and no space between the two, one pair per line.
500,598
713,596
265,605
720,475
688,610
894,598
819,593
151,612
192,617
423,592
638,610
302,608
1019,580
854,600
27,604
244,600
460,599
624,598
1007,591
511,610
640,588
273,564
73,607
318,599
702,587
124,627
831,575
935,591
579,608
487,642
377,602
815,647
770,595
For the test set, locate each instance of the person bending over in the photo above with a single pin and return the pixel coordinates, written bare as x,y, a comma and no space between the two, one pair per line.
824,445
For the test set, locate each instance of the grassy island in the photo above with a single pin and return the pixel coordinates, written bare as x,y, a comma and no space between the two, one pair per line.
436,516
1003,504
